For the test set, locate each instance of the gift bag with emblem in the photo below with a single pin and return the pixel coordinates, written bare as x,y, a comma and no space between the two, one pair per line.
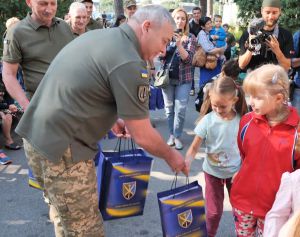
123,177
182,211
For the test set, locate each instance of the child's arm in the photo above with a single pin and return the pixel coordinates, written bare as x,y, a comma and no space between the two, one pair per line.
281,209
192,151
221,34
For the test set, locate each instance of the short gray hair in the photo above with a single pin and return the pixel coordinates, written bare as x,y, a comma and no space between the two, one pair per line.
154,13
76,5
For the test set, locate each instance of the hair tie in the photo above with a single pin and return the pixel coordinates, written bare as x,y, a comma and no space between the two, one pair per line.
275,78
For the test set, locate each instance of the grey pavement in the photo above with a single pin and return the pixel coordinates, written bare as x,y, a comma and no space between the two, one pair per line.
24,213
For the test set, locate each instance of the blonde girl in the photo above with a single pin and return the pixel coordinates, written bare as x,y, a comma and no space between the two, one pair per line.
266,140
219,129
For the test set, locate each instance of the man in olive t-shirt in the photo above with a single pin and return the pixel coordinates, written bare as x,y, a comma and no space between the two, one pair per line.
80,99
33,44
92,24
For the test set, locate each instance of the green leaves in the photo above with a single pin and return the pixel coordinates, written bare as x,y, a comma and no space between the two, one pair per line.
290,17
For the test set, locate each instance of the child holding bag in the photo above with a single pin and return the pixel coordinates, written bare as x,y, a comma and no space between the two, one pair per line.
219,130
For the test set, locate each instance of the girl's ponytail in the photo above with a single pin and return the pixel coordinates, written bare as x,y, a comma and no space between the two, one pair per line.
241,105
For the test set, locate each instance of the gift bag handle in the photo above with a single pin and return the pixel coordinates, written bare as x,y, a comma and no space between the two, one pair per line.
129,144
174,182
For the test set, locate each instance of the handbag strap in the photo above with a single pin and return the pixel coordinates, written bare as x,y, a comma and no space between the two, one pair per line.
169,64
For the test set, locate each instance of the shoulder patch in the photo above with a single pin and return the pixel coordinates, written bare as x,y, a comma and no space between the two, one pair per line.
143,93
144,74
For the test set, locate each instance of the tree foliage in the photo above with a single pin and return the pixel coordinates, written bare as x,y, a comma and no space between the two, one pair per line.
289,19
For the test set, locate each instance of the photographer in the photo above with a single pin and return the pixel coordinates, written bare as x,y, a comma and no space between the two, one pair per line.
271,44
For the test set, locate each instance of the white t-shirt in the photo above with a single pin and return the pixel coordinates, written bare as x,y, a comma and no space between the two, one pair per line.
220,137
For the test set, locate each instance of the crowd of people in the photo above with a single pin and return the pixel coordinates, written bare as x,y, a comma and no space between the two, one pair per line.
251,142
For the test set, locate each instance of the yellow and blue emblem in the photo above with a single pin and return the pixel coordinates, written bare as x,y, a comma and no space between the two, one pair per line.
144,74
185,219
128,190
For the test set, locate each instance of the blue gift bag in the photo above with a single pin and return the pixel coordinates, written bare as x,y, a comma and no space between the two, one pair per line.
182,211
152,98
156,100
159,99
123,178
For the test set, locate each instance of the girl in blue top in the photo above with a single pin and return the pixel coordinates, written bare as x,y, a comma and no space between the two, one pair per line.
218,129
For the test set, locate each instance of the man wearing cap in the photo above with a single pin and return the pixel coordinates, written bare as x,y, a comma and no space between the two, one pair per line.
79,101
130,8
92,24
277,47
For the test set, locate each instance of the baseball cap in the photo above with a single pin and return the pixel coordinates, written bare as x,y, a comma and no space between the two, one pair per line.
271,3
129,3
83,1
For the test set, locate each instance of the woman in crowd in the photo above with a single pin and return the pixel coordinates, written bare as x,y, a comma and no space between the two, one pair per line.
210,49
176,94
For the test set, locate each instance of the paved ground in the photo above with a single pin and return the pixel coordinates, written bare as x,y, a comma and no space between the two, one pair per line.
23,212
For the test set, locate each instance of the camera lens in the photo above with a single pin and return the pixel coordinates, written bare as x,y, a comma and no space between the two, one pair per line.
254,41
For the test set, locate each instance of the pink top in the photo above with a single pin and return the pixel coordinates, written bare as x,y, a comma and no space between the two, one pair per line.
287,202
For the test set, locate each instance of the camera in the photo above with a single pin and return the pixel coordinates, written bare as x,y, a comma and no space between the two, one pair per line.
256,29
178,31
260,38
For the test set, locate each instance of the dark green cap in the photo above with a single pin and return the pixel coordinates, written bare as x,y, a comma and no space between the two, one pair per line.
271,3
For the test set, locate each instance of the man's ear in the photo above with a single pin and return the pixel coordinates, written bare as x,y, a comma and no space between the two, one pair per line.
28,2
146,25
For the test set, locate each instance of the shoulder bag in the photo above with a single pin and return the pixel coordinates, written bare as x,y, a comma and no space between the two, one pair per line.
162,79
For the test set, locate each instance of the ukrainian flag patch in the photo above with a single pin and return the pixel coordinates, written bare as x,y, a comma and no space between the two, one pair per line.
144,74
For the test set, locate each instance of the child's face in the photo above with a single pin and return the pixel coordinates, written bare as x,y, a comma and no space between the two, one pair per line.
218,22
222,104
265,104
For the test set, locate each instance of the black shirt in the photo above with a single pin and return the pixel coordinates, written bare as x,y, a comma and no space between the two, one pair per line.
285,40
194,28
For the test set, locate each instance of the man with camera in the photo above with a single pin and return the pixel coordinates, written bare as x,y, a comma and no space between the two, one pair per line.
266,42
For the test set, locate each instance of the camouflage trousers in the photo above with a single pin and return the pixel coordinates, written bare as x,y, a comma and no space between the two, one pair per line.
72,189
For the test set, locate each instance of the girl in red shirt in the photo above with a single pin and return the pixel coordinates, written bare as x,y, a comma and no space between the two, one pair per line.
267,137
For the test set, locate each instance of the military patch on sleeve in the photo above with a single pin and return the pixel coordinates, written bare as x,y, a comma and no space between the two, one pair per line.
143,93
144,74
6,43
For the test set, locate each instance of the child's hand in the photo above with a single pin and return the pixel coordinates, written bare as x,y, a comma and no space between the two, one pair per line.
188,161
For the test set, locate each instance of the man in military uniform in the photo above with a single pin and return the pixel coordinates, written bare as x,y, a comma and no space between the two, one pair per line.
92,24
79,101
129,8
33,44
277,47
78,18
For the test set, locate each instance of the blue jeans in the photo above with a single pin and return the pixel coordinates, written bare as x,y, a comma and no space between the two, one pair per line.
296,99
176,98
